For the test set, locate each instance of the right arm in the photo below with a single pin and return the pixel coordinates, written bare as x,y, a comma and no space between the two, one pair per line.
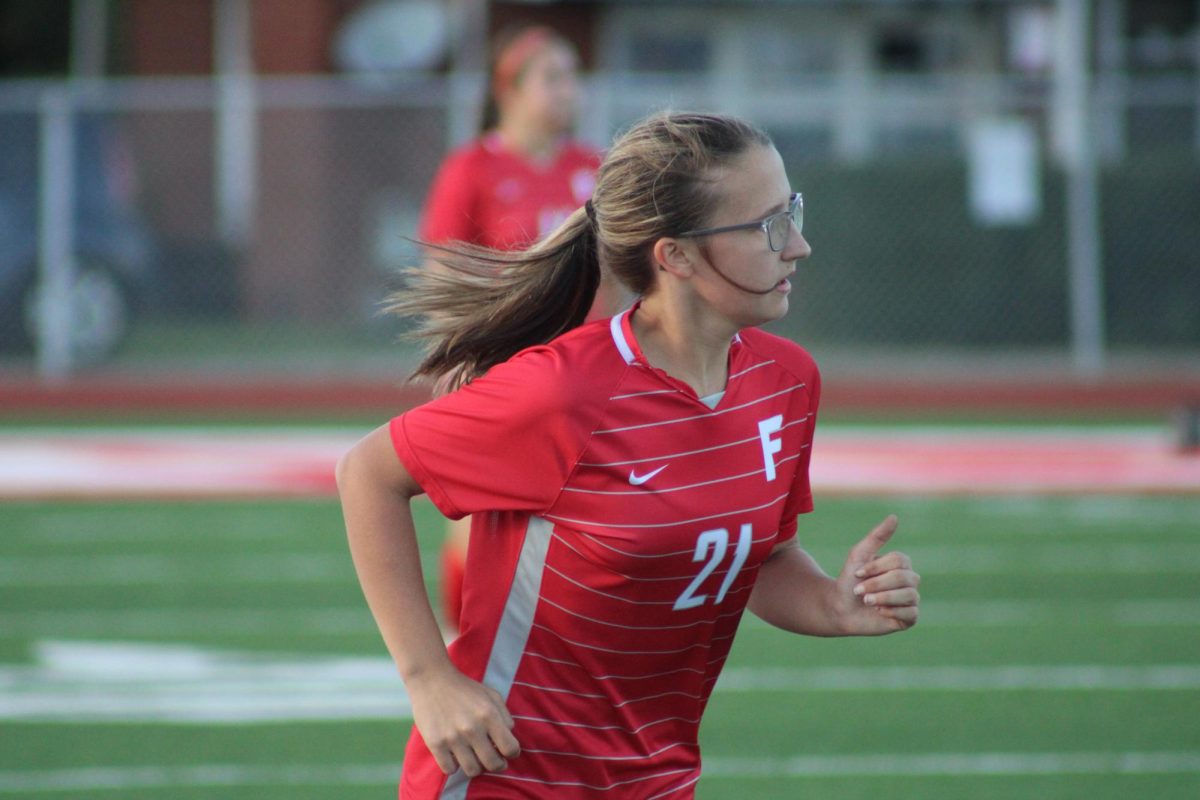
463,723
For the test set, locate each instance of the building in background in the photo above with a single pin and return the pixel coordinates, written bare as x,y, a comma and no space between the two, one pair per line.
282,147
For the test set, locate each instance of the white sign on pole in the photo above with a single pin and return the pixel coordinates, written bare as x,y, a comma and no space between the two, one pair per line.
1004,179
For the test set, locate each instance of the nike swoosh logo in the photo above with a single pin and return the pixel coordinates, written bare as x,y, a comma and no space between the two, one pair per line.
638,480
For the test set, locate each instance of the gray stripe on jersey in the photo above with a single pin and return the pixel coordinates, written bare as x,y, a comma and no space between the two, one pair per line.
515,625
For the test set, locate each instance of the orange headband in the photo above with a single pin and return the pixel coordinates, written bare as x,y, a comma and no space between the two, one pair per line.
513,58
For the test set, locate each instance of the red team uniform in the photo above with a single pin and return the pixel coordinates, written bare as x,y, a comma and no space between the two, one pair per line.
487,195
627,520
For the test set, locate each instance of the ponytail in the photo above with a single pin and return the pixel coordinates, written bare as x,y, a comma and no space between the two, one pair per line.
482,306
477,307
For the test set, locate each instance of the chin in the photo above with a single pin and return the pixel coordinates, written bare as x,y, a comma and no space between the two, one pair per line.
763,313
776,310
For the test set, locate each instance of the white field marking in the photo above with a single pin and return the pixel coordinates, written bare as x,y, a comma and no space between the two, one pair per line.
1030,461
1073,558
1110,514
121,682
351,621
1147,558
182,568
1026,613
1030,613
1014,677
281,461
118,682
115,779
915,765
183,623
957,764
1058,559
172,462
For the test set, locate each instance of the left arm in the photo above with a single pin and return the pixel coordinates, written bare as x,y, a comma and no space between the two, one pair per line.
872,595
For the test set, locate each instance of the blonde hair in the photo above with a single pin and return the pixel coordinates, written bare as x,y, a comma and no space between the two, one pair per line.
486,305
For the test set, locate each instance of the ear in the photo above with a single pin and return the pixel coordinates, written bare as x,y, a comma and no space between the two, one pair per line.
675,256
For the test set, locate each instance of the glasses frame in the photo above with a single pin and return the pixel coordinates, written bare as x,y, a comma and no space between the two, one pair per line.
795,211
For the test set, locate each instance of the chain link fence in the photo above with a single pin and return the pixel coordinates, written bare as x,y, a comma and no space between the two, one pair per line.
254,233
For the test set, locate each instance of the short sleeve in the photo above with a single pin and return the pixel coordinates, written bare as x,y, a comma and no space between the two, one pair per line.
504,442
800,499
451,208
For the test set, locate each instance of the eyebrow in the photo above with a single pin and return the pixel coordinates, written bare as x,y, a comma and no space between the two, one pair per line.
775,209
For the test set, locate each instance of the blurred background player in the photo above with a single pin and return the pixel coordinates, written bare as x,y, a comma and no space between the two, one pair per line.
516,182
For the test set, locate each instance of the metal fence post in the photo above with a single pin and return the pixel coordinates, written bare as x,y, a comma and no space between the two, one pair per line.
56,235
236,120
1075,131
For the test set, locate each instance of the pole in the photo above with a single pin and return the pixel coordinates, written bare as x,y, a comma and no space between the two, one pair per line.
468,66
1074,129
236,121
56,235
89,38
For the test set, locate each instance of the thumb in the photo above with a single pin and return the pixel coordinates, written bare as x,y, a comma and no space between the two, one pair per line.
871,544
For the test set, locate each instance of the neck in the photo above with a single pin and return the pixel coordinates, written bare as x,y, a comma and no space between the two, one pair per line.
526,140
684,342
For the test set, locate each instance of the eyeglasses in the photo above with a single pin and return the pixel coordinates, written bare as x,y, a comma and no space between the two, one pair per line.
777,226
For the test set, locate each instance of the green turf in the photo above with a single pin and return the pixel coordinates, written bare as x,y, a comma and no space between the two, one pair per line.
1029,582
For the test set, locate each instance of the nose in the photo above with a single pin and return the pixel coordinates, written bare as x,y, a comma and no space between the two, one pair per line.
797,246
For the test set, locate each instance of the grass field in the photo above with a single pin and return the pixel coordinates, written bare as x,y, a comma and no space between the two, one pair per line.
1058,657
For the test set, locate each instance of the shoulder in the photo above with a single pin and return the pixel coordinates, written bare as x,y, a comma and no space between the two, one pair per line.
788,355
469,156
582,154
568,375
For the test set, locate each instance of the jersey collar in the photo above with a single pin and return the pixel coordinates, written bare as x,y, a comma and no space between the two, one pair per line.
621,327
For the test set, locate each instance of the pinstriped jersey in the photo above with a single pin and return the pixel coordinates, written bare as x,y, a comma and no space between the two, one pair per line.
487,194
619,524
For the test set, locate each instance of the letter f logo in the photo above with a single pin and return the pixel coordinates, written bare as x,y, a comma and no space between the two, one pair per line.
770,446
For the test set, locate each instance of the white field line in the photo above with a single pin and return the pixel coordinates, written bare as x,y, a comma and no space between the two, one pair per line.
1107,514
116,779
192,569
82,681
1031,613
321,567
1135,518
356,620
912,765
957,764
1015,677
171,570
184,622
296,461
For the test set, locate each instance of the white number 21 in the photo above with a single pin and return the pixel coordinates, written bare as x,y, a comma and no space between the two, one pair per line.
716,541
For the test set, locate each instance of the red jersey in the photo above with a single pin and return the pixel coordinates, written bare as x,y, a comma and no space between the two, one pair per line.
487,195
625,524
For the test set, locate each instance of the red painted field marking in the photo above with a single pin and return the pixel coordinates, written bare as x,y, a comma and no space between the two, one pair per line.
299,462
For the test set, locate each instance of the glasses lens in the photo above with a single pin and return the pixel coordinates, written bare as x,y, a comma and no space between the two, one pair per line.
777,231
779,227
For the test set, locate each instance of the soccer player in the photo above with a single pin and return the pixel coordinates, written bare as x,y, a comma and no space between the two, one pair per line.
525,173
635,482
512,185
